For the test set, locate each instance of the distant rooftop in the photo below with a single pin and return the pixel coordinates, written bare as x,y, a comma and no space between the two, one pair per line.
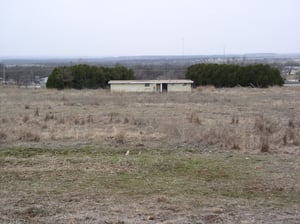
171,81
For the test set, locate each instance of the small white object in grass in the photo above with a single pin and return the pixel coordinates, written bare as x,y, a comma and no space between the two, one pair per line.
127,153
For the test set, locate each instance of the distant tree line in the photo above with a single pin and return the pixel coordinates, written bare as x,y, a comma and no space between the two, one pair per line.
25,74
86,76
228,75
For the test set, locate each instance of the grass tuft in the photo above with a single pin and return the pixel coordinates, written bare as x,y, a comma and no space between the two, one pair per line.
3,136
25,118
49,116
29,136
264,144
36,112
120,138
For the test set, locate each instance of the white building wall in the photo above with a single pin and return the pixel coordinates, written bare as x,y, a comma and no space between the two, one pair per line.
180,87
139,87
150,87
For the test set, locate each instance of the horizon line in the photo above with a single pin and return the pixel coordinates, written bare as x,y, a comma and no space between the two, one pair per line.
133,56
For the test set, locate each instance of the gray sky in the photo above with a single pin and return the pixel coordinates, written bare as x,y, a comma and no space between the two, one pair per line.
98,28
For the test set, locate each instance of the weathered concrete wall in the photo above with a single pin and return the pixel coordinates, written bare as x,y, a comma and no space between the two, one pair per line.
179,87
150,87
133,88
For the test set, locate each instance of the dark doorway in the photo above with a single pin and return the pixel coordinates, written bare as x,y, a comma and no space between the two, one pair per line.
165,87
157,88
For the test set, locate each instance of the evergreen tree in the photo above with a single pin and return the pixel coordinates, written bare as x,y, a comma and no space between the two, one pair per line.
85,76
224,75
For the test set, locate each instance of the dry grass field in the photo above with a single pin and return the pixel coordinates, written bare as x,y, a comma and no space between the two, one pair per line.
90,156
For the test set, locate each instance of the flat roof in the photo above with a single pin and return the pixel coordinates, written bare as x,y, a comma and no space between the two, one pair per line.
171,81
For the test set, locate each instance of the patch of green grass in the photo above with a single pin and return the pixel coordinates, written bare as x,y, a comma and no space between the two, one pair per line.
181,175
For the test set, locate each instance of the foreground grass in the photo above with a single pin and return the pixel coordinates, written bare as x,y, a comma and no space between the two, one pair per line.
141,173
188,178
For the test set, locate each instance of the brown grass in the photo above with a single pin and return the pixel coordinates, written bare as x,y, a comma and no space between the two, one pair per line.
25,118
239,118
3,136
120,138
29,136
210,156
36,113
107,185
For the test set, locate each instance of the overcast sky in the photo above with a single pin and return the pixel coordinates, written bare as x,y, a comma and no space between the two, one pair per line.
97,28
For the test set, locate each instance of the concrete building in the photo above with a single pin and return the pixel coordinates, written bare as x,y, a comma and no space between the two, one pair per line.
179,85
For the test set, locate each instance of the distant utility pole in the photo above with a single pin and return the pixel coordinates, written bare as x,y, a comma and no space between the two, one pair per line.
224,53
182,40
3,73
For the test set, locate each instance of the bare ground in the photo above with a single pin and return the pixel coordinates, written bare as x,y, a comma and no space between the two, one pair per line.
211,156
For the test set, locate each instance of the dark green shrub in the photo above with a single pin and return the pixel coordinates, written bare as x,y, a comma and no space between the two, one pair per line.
85,76
226,75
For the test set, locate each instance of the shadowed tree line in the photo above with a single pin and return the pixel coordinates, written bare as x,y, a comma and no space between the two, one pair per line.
228,75
86,76
91,76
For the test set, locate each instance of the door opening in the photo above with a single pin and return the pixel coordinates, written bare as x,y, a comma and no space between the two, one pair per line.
158,88
165,87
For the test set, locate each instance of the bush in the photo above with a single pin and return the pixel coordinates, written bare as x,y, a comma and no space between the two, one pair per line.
223,75
29,136
3,136
86,76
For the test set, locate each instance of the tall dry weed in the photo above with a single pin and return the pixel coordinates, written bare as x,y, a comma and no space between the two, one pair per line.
49,116
224,136
265,126
4,120
270,133
36,112
61,120
76,121
292,133
3,136
264,143
29,136
90,119
194,118
120,138
112,116
234,119
25,118
126,120
140,122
